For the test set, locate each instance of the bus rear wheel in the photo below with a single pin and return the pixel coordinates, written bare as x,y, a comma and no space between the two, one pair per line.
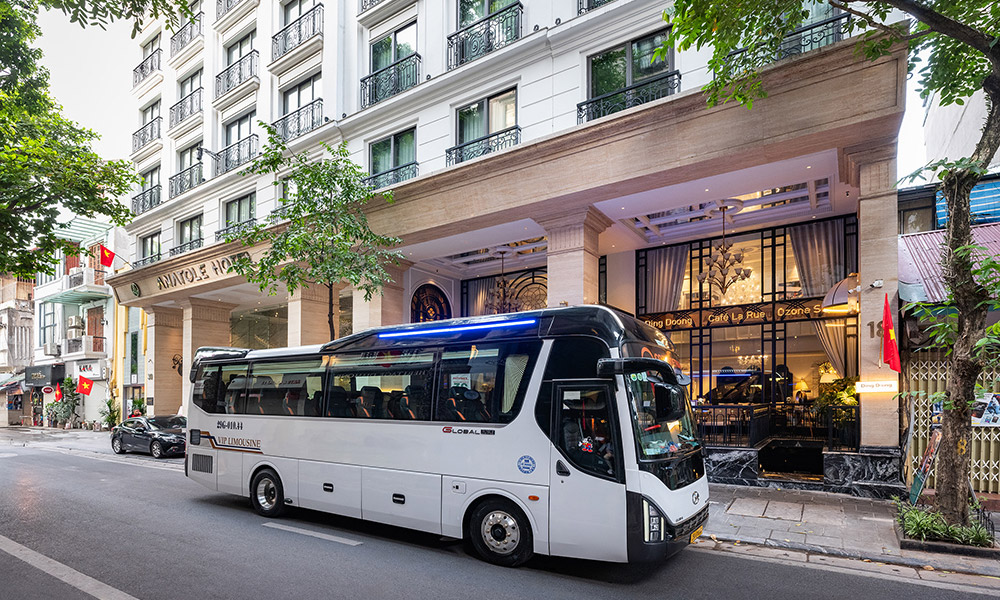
500,533
267,495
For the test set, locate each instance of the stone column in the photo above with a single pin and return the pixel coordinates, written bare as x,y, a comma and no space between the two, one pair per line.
388,308
205,323
308,309
164,343
573,256
877,242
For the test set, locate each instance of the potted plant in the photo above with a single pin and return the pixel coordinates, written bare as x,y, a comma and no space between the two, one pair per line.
110,414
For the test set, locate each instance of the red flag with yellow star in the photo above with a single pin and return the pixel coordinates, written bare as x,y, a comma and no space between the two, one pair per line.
58,392
107,257
84,386
890,350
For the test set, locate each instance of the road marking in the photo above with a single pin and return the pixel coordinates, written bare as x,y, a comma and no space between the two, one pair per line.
972,589
315,534
63,573
121,461
7,454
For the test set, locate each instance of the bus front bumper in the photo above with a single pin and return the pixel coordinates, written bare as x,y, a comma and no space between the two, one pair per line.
672,540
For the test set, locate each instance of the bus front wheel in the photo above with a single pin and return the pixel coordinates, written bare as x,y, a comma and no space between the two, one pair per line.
267,494
500,533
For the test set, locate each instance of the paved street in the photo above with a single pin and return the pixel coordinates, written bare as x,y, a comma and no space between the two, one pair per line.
121,527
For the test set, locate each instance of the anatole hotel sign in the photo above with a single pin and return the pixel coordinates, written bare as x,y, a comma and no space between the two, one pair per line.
189,275
748,314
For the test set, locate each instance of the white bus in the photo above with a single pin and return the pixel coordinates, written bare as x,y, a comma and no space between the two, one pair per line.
563,431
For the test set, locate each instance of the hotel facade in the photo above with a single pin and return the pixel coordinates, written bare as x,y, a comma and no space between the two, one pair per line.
539,156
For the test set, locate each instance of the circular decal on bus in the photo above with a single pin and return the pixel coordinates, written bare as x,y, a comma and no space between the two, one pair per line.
526,464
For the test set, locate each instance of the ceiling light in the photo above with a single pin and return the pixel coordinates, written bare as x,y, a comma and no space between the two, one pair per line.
706,189
808,166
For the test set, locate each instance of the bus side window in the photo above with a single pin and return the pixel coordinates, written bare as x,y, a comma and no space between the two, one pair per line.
393,384
484,383
570,358
286,388
205,390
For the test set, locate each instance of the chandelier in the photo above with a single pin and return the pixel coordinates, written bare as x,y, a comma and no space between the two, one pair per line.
724,266
503,297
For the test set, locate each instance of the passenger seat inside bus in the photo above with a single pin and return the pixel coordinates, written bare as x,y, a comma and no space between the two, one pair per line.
371,402
338,405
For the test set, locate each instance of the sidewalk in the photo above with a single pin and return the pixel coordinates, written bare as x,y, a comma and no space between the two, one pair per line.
822,523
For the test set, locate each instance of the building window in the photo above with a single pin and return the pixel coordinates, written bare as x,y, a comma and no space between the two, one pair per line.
189,230
151,46
486,126
300,95
394,46
47,324
190,83
151,179
240,128
188,157
627,65
240,48
470,11
150,246
295,9
151,112
394,151
240,210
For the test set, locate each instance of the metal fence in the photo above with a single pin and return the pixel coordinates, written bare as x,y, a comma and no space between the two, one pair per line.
185,107
147,67
392,176
146,134
185,34
237,73
492,32
493,142
386,83
633,95
301,121
296,32
746,425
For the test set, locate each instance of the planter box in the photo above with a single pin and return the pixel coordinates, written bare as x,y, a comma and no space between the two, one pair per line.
945,547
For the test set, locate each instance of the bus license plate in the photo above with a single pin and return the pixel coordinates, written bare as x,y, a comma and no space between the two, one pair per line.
696,534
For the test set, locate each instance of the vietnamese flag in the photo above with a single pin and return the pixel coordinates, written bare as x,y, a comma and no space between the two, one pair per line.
85,386
890,350
58,392
107,256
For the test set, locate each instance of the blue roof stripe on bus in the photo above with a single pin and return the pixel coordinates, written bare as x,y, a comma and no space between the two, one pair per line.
458,328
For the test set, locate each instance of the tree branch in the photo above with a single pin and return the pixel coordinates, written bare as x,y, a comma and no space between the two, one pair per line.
949,27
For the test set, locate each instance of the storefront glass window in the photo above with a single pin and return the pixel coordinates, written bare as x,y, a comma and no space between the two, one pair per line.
259,328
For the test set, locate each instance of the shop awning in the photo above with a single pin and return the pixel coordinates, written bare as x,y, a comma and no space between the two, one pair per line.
12,384
921,273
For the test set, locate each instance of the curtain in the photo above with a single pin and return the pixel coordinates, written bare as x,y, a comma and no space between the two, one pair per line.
665,268
471,123
832,334
477,292
406,148
819,254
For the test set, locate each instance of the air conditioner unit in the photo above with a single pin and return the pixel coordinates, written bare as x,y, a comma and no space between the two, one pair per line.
50,349
75,270
74,322
75,333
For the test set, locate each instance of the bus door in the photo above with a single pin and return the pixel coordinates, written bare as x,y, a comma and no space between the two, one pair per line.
587,480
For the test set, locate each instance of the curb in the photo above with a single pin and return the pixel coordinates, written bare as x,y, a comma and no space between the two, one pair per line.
891,559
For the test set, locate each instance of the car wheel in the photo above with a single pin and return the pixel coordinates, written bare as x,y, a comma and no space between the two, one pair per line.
156,449
116,445
500,533
267,494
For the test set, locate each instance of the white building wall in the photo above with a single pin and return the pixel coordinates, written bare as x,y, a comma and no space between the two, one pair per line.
951,132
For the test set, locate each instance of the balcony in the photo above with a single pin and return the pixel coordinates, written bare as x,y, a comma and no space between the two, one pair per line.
237,154
146,200
237,73
192,245
808,37
297,32
367,4
234,229
146,135
490,33
494,142
147,67
301,121
634,95
583,6
82,285
186,35
90,346
185,180
187,107
394,79
146,260
393,176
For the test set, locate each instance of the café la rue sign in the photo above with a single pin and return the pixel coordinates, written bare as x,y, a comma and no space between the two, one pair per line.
216,267
750,314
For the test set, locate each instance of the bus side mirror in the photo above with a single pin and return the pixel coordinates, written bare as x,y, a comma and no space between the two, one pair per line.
670,402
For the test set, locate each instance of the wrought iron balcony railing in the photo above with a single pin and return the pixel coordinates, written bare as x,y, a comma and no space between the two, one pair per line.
301,121
296,32
224,6
146,260
583,6
634,95
236,154
187,106
186,34
234,229
490,33
808,37
393,176
235,74
505,138
146,134
182,248
185,180
147,67
146,200
366,4
386,83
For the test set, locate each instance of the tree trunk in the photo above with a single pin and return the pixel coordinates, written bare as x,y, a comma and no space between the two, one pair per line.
329,314
951,496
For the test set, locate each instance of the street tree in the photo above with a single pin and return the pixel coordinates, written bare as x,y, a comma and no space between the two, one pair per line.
954,52
326,240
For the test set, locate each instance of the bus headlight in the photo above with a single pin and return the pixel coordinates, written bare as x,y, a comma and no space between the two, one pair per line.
652,522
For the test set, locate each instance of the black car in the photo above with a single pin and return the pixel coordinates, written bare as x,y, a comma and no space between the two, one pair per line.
159,436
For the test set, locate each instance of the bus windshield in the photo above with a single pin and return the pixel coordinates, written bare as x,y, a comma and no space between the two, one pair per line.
657,438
